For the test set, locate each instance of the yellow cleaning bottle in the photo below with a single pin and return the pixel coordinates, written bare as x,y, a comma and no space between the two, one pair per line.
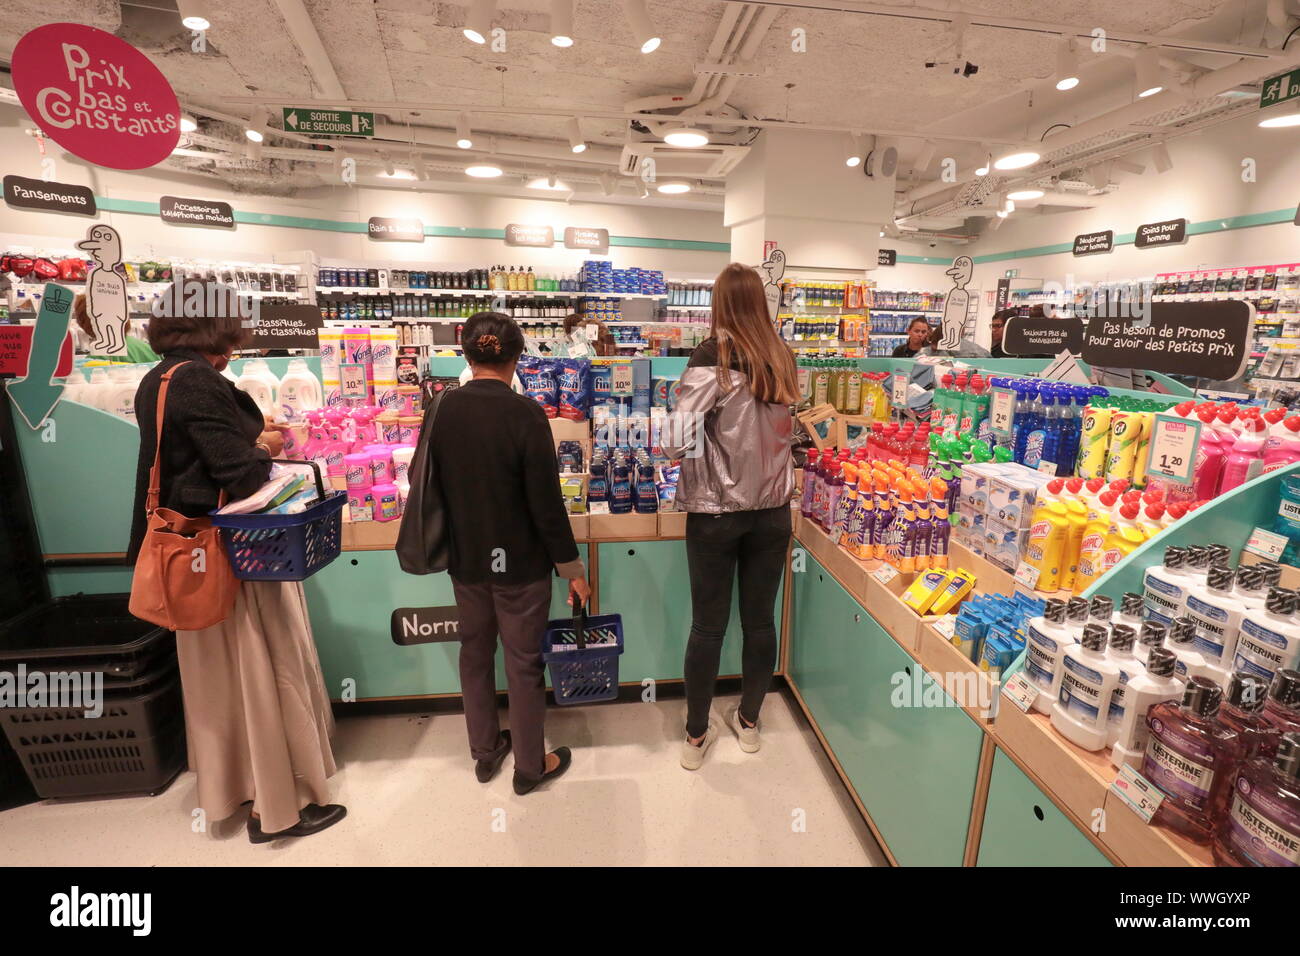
1126,537
1092,549
1048,532
1077,512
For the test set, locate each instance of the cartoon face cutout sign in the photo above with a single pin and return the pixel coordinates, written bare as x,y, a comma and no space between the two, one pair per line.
773,271
956,302
106,301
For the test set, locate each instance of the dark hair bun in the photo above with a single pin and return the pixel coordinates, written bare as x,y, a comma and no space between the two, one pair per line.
488,344
491,338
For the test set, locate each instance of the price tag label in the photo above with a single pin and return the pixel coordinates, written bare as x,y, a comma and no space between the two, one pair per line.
1174,442
1266,544
621,380
885,573
1020,691
1138,793
899,396
1002,408
946,625
1027,575
1047,468
352,382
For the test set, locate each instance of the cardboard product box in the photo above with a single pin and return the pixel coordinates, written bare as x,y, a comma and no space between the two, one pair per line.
370,535
1004,545
1011,497
976,480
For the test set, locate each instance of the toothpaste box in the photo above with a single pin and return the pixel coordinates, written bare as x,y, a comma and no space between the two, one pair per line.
1011,497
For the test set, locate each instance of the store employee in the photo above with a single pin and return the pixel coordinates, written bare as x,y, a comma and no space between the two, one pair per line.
918,330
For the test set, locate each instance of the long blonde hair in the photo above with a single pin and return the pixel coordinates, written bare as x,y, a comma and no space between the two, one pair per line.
744,331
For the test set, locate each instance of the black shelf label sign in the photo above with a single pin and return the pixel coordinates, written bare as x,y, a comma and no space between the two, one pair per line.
1206,339
384,229
425,625
196,212
1092,243
1002,297
24,193
286,326
517,235
887,257
580,237
1170,232
1027,335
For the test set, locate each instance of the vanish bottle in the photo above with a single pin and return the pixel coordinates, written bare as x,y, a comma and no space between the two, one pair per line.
1189,758
1262,824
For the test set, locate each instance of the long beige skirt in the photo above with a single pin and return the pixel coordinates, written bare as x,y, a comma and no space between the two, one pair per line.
257,715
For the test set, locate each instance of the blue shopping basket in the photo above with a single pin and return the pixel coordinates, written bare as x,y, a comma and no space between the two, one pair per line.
582,653
269,547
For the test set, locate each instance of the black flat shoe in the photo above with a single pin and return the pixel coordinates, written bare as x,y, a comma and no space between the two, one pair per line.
486,769
524,785
312,819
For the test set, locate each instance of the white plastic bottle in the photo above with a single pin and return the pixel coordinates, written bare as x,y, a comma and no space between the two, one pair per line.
1151,635
1165,587
256,380
1269,642
1088,680
1045,642
299,391
1182,641
1217,616
1101,610
1119,651
1156,683
1076,617
119,397
1131,606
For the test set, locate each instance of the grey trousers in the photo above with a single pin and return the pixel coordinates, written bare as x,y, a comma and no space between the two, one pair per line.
518,612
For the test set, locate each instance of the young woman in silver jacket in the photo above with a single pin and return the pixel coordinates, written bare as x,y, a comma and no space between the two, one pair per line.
732,428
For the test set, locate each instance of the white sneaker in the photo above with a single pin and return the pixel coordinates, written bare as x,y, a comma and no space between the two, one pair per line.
693,756
749,741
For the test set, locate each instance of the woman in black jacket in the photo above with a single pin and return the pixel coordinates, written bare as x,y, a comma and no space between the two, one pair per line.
257,715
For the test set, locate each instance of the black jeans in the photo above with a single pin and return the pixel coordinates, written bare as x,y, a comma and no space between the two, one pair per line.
753,543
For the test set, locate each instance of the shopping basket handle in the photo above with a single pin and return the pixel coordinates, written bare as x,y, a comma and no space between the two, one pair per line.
580,622
320,485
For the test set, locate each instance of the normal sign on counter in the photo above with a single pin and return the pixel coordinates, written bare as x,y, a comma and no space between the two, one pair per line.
1205,339
1092,243
196,212
1030,335
1171,232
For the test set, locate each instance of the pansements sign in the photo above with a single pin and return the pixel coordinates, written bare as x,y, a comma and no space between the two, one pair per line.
96,96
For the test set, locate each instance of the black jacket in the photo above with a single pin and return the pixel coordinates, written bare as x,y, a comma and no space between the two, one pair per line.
209,441
496,465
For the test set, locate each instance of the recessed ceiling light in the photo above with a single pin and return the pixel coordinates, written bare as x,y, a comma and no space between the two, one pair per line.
674,187
686,136
562,23
463,138
1281,121
646,36
483,171
479,22
1018,160
1024,195
194,14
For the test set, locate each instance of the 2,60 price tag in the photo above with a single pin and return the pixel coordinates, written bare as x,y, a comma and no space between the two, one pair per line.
1174,442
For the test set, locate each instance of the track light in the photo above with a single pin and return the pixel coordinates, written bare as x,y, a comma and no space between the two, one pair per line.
674,187
1009,207
253,150
1161,159
549,182
926,156
1124,166
479,22
463,138
642,29
483,171
194,14
389,170
855,151
188,123
1025,195
562,22
576,142
255,132
1067,65
1017,160
686,136
983,170
1147,75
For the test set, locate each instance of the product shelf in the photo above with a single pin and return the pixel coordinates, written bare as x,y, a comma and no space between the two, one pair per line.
533,293
974,690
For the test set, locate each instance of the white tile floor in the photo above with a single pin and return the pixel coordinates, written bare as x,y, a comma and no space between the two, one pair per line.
412,799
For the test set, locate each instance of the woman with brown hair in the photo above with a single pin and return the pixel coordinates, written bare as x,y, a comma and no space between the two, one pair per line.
257,715
732,428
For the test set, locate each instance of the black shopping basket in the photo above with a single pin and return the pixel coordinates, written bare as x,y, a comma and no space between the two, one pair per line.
582,653
270,547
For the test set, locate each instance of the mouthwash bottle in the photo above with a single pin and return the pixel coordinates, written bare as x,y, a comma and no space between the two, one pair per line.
1262,825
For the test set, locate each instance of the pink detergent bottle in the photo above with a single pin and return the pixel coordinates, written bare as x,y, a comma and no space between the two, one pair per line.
1247,457
1208,468
1287,448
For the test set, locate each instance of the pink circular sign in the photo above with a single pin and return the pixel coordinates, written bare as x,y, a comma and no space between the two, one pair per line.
96,96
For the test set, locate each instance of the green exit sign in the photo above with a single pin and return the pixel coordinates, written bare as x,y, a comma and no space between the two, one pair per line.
1279,89
329,122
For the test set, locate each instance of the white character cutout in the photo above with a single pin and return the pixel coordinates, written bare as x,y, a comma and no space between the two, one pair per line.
774,266
956,303
106,301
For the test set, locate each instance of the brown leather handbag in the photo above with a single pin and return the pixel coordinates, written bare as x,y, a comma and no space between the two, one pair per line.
183,580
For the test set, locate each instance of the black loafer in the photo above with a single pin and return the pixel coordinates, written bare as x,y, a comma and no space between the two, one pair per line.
525,785
312,819
486,769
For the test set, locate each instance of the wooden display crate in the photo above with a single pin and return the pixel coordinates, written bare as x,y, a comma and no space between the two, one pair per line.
975,690
581,529
672,524
1077,778
884,600
628,527
370,535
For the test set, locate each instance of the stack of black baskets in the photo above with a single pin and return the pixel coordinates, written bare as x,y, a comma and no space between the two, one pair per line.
137,743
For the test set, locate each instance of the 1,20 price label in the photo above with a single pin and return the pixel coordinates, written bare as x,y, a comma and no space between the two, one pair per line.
1174,443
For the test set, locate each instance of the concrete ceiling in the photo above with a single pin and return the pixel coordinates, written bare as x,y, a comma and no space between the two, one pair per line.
858,72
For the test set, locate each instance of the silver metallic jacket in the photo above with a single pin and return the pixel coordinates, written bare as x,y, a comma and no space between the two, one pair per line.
735,450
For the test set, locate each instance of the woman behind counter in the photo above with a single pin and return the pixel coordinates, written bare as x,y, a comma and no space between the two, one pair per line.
257,715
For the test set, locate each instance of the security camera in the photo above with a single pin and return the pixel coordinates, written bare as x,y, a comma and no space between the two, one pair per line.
955,67
934,243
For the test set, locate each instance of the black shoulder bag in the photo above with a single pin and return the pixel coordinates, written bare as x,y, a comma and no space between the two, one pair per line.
424,538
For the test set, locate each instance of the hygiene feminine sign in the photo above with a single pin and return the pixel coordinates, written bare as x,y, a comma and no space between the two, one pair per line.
96,96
